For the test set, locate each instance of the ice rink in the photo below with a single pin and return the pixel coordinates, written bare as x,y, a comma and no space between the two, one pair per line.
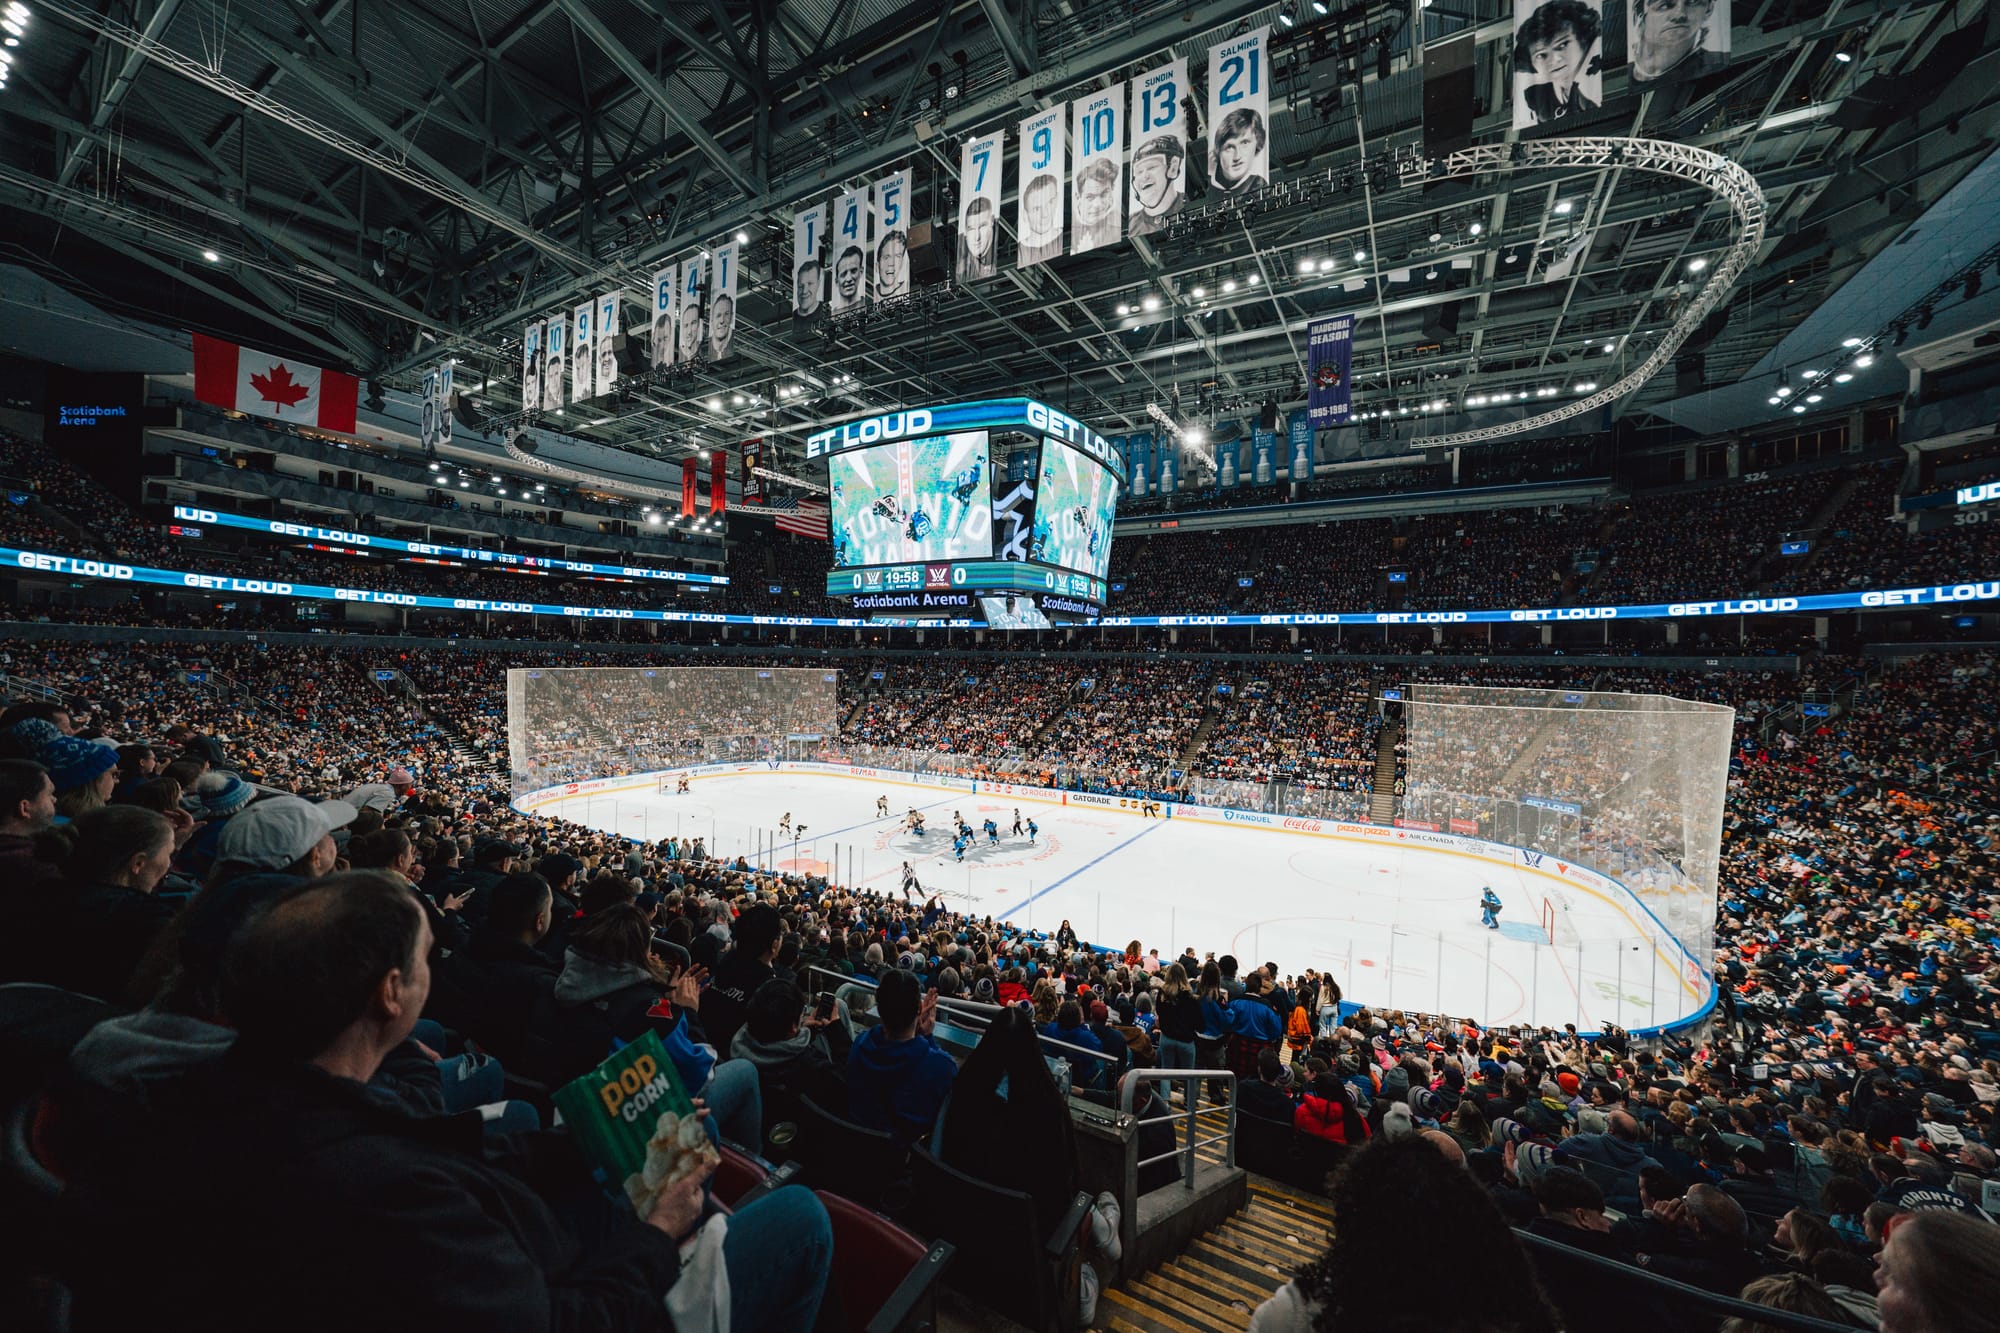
1397,925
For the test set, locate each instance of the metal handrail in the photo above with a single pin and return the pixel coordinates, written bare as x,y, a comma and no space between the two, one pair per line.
1191,1080
974,1009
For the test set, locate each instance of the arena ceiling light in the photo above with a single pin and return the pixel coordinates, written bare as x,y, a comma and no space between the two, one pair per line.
1150,303
1307,266
1843,377
1865,360
1563,207
1850,342
1360,256
211,256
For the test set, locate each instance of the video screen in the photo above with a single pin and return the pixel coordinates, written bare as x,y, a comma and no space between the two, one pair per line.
910,501
1074,503
1022,614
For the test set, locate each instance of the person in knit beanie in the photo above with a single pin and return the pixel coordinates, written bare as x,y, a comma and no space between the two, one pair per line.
84,772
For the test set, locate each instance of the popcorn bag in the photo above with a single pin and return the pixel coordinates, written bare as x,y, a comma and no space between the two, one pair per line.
635,1123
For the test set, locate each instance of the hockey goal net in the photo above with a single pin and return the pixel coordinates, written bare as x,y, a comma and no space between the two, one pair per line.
1557,927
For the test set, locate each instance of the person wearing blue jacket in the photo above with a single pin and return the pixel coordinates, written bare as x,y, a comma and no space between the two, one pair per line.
897,1076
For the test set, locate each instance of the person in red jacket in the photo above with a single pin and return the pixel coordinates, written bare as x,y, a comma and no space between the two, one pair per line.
1325,1113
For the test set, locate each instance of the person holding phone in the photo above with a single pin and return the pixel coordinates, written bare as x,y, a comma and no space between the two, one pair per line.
799,1050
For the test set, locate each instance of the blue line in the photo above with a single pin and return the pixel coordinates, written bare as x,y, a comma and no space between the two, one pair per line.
1080,869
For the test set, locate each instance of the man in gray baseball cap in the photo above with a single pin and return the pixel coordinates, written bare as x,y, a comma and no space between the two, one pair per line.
285,833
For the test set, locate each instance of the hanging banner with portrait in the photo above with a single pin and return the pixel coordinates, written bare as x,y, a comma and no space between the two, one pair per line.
690,323
666,296
1159,148
531,366
850,253
447,372
607,334
555,337
1239,114
1329,358
722,302
808,264
892,236
1558,60
1097,190
582,381
1038,225
979,208
1667,41
427,398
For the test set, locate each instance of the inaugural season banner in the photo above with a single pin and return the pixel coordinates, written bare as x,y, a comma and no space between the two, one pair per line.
1039,222
722,303
979,208
1239,114
808,268
607,333
892,236
531,366
850,252
1098,188
666,296
1159,148
1329,358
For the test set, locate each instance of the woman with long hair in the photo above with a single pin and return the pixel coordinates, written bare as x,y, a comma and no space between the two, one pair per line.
108,919
1178,1020
1046,1001
1214,1034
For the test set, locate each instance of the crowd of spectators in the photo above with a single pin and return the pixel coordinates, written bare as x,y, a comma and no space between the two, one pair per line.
1672,545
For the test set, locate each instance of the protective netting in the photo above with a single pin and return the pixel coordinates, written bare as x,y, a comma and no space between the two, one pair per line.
1628,785
569,724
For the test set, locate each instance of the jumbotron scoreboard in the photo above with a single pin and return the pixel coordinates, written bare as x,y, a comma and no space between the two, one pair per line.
998,510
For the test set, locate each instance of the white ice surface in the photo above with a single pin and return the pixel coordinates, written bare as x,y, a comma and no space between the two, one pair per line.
1397,926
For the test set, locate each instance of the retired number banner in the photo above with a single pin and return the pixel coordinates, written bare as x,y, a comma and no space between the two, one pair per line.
892,236
531,366
1159,148
607,352
722,302
666,295
555,337
979,208
808,265
691,331
850,252
1039,222
1098,188
581,346
1239,114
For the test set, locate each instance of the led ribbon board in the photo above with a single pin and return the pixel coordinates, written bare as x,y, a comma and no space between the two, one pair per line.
1024,415
471,554
1942,594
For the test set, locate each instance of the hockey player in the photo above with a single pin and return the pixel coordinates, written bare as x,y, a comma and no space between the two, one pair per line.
1033,829
785,825
1489,908
882,807
958,844
683,789
914,821
992,834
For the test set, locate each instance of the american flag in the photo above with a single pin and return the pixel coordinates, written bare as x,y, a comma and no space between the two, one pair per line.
805,515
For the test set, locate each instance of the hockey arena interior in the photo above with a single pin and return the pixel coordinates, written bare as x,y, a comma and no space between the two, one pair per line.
772,666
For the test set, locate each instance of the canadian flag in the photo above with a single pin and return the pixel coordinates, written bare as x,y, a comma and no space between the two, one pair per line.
244,379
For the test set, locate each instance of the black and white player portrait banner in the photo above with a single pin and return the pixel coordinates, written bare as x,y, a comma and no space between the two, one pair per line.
892,236
607,333
979,208
1159,149
1239,113
1558,60
722,302
427,400
850,252
666,295
581,352
1099,185
554,339
447,372
691,336
808,268
1671,40
531,366
1044,153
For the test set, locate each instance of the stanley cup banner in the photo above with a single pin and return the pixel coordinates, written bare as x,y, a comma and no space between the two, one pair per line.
979,208
1228,467
555,338
581,347
808,265
722,302
1263,457
444,397
850,252
607,334
1098,188
427,400
690,329
1039,222
666,294
1329,357
1299,435
1159,148
892,236
1239,114
531,366
1557,59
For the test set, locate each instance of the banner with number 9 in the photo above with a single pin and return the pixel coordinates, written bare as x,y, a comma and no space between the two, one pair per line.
1044,153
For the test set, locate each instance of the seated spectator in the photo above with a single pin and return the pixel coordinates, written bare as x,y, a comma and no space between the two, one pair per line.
490,990
1068,1028
283,834
1790,1292
790,1047
84,772
1371,1274
756,936
1940,1273
1326,1111
1711,1242
105,918
27,808
314,1185
1572,1211
1265,1095
897,1076
612,990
